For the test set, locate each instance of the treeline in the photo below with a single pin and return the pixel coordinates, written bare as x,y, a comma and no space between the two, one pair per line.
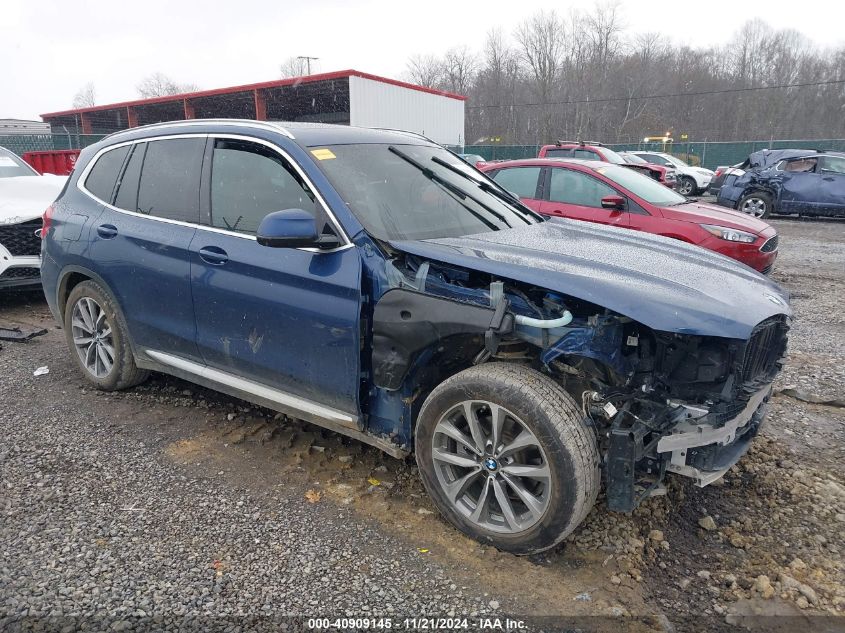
582,76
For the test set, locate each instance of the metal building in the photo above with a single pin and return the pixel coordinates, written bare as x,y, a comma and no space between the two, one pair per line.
347,97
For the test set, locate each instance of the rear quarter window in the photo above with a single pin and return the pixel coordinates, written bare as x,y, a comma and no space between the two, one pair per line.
103,175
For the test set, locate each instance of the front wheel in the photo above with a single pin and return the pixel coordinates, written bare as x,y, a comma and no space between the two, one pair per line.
686,186
758,204
507,457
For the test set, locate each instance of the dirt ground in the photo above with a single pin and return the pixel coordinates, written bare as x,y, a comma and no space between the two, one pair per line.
761,550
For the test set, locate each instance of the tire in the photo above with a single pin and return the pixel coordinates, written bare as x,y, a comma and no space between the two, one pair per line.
687,186
559,444
89,309
757,203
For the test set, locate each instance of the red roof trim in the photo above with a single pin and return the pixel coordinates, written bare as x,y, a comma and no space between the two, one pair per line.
278,83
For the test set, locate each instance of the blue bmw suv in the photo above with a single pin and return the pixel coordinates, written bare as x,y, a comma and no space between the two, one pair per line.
373,283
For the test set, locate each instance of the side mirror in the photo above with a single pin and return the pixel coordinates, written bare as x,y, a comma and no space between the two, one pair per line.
292,228
614,203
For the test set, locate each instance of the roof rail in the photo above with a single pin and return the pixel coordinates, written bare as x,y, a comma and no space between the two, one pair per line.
396,129
581,143
189,122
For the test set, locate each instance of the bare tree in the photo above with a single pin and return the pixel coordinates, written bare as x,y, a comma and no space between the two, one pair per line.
541,45
160,85
459,68
86,96
425,70
296,67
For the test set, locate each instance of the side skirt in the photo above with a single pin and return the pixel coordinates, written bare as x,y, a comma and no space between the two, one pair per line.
257,393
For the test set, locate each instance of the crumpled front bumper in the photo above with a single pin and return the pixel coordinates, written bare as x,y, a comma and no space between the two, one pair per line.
705,452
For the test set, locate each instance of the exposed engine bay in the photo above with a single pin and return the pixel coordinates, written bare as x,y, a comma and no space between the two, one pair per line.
658,401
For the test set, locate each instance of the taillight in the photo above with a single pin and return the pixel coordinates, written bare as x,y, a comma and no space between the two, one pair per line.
46,220
718,173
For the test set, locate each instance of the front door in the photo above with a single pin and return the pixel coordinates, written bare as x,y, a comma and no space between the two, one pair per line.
523,181
574,194
282,317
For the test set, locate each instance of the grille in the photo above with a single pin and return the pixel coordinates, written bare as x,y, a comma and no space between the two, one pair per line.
20,239
21,273
763,351
770,245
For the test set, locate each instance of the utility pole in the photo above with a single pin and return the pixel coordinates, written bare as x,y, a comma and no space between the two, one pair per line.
307,61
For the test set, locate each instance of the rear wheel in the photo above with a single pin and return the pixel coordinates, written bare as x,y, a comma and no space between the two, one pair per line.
507,457
758,204
98,340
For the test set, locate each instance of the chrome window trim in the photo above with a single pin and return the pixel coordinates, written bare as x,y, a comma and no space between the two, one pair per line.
267,125
278,396
80,184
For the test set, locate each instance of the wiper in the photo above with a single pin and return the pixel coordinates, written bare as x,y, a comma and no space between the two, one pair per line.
506,197
454,189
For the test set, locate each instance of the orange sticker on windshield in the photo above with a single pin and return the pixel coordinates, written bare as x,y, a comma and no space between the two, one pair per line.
323,154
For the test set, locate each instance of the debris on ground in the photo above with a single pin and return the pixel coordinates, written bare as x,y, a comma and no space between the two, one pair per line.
41,371
19,334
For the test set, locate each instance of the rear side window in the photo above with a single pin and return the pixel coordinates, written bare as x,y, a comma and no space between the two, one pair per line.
248,181
103,174
170,179
573,187
127,187
519,180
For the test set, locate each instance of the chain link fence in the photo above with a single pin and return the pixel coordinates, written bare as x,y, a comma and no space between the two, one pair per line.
20,143
700,153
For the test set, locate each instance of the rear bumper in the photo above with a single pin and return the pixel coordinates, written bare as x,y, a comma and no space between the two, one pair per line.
704,452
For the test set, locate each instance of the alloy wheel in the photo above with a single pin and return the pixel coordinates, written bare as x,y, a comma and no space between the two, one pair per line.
755,207
686,187
92,336
491,467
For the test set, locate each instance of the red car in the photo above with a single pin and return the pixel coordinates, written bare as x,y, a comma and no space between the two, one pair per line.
611,194
596,151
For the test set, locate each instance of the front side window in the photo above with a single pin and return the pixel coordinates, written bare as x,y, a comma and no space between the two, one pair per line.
573,187
519,180
103,175
248,181
170,179
832,164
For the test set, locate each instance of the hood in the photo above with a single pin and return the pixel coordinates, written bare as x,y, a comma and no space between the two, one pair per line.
662,283
703,213
25,198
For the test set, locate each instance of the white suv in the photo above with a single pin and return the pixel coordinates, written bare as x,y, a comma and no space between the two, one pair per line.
24,195
692,181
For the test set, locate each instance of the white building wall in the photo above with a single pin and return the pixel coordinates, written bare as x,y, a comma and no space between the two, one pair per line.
378,104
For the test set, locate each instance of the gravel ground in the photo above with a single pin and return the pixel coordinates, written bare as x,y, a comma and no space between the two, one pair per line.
173,507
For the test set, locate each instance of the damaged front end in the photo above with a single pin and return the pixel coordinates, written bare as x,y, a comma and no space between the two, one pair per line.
658,401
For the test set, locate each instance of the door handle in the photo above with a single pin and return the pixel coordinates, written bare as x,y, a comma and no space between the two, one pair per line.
107,231
213,255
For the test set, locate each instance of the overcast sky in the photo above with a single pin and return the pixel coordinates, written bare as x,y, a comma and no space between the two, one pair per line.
50,48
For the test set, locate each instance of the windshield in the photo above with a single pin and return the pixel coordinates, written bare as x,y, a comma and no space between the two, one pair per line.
11,165
633,159
677,162
612,157
646,188
415,192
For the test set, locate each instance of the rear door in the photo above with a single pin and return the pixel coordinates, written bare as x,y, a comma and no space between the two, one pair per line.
831,196
523,181
139,243
573,194
284,318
